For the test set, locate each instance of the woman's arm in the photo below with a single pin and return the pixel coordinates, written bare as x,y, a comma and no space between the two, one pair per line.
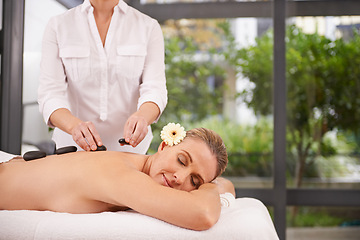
153,79
153,92
52,81
52,92
197,210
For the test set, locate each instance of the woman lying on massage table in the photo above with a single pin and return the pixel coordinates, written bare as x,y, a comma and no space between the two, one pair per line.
176,184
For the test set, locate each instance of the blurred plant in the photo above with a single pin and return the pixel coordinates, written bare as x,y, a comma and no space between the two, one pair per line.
319,100
194,80
315,217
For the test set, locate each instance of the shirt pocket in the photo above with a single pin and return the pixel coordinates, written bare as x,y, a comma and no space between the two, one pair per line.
130,60
76,60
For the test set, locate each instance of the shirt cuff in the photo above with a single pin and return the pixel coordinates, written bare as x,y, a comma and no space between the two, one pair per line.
50,106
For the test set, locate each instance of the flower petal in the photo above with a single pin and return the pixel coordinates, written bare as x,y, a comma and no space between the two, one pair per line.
172,134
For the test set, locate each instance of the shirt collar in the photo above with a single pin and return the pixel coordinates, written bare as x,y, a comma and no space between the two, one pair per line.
85,6
121,5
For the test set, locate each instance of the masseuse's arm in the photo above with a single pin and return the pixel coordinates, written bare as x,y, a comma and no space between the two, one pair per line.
53,103
136,127
197,210
84,133
152,89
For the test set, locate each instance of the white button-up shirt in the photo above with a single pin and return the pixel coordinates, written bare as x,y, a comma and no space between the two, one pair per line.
102,84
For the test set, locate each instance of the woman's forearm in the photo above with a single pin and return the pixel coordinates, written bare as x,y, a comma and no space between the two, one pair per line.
64,120
150,111
198,210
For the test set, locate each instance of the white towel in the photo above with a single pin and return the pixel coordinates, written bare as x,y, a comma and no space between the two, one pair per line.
5,157
244,218
226,199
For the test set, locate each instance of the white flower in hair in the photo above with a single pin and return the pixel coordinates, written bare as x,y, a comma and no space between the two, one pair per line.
173,134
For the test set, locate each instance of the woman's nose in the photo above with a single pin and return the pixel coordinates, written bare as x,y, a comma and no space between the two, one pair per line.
180,176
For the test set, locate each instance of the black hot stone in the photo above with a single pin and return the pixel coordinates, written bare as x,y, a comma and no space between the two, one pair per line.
101,148
68,149
31,155
122,141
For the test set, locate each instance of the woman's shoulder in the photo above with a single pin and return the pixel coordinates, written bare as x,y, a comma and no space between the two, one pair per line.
142,17
69,16
118,159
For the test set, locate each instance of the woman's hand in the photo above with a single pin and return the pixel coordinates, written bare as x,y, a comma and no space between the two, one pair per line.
224,185
86,136
83,133
135,129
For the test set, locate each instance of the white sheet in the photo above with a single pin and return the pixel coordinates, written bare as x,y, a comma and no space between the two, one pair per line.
5,157
244,218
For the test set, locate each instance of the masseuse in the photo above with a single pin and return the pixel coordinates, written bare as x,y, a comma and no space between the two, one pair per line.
173,185
102,76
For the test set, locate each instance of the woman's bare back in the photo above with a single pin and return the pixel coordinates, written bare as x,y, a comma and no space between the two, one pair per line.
54,183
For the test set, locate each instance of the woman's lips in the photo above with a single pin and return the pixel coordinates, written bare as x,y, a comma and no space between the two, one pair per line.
166,181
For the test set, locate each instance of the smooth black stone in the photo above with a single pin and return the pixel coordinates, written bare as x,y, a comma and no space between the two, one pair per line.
101,148
122,141
31,155
68,149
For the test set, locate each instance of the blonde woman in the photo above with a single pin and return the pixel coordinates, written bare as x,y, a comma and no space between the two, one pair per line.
176,184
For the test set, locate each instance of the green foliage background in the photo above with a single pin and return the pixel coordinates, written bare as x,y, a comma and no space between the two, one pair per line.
323,90
323,81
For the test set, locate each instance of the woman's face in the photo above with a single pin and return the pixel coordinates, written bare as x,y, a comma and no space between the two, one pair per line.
184,166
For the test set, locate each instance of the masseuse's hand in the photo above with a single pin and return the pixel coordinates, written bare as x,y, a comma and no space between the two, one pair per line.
86,136
83,133
135,129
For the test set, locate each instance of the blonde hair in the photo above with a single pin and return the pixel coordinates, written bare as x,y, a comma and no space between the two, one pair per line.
215,143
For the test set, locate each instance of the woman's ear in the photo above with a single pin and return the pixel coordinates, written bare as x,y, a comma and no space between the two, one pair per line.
162,146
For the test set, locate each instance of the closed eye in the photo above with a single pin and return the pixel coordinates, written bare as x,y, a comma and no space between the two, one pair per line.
195,184
182,159
181,162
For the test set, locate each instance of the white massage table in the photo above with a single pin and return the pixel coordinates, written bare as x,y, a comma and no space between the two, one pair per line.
241,218
245,218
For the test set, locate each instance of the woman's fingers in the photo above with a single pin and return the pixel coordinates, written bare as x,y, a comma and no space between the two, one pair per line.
129,129
86,136
135,130
95,134
139,134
